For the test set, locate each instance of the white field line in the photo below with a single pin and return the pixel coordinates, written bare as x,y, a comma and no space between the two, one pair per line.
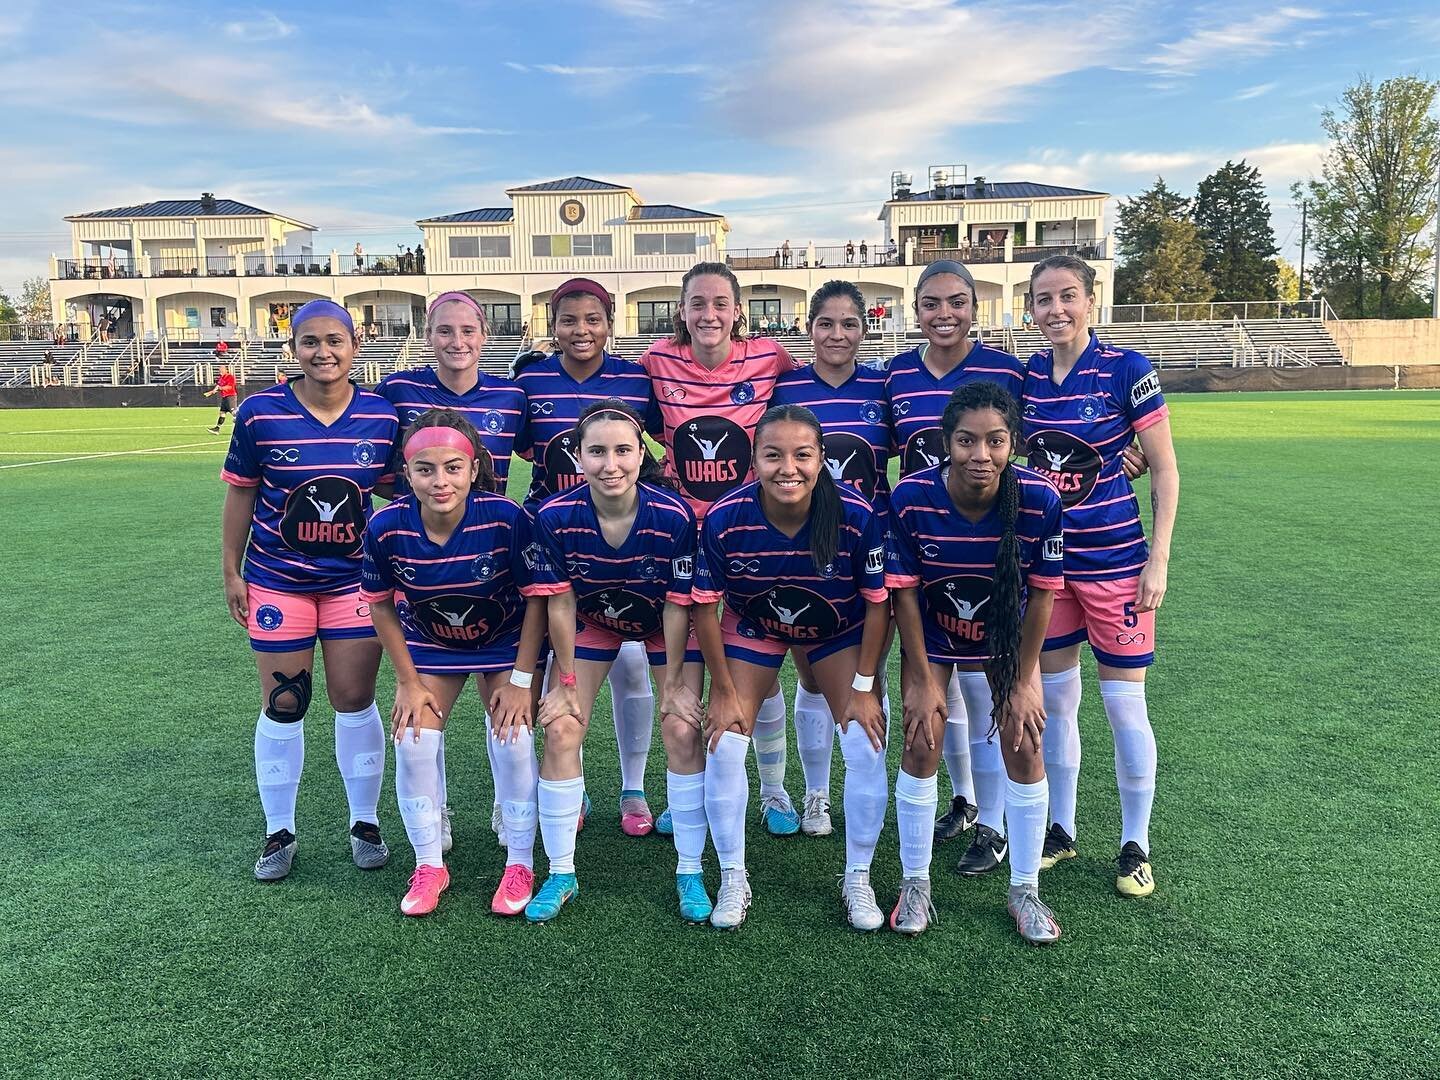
107,454
106,430
82,453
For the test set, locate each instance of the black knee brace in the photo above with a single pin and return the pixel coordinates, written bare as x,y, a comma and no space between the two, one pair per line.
297,686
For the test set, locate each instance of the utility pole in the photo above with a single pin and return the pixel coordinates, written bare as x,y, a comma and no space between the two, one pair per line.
1300,289
1435,302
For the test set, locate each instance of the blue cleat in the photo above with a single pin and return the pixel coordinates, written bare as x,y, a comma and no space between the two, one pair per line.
778,814
695,906
663,825
558,890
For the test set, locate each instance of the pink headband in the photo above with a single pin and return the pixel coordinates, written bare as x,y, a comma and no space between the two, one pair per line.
582,286
429,437
455,298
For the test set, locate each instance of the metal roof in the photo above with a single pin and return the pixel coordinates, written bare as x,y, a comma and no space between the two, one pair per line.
486,215
666,212
1024,190
174,208
571,183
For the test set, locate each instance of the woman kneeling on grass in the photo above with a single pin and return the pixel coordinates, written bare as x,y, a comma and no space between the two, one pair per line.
447,568
619,555
799,563
976,556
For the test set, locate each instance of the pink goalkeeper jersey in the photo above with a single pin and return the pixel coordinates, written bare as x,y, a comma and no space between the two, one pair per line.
710,416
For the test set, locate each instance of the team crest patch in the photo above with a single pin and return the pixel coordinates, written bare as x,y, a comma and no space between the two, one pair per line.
364,452
649,568
269,617
483,567
743,394
492,423
1091,408
829,571
872,412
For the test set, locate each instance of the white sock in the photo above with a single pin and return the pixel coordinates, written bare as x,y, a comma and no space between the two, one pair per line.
360,753
1026,812
440,764
727,798
1062,744
915,802
686,795
815,736
517,776
417,790
632,704
490,745
957,741
279,757
769,742
559,816
986,764
1134,757
866,797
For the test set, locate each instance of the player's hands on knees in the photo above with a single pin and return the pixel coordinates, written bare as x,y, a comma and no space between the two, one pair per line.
1022,718
560,701
1134,461
682,702
925,708
414,704
237,599
509,711
1150,590
864,708
722,714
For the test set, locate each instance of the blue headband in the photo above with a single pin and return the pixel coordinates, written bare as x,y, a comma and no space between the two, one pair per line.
321,309
948,266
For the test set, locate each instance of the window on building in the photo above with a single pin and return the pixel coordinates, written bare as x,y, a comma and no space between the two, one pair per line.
597,244
655,316
217,317
562,245
665,243
494,247
464,247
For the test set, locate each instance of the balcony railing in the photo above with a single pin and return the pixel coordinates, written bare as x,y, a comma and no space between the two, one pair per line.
1219,311
96,268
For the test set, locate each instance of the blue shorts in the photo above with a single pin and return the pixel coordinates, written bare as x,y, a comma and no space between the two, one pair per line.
769,652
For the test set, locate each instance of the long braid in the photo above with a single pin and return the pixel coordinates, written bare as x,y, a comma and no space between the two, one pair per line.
1007,593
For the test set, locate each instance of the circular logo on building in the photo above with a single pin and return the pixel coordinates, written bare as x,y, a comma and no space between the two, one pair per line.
923,450
324,517
562,461
269,617
790,613
572,211
958,606
712,455
457,621
851,460
1071,465
364,452
743,394
619,610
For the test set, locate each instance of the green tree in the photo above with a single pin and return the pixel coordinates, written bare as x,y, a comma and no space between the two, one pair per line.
1233,217
1175,272
8,314
1287,281
1140,228
1376,196
35,300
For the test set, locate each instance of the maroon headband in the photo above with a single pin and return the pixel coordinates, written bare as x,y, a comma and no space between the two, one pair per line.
577,286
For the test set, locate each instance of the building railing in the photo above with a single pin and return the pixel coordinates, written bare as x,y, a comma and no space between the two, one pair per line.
1218,311
96,268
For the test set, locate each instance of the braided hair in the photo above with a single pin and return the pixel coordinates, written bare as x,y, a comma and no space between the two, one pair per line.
1007,588
825,507
485,476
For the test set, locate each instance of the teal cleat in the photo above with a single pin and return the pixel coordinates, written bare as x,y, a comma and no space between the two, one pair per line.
663,825
695,906
558,890
778,814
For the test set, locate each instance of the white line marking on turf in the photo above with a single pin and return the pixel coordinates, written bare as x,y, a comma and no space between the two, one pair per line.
107,454
108,430
83,453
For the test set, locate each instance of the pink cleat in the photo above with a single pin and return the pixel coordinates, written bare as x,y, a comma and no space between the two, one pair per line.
426,885
635,816
516,886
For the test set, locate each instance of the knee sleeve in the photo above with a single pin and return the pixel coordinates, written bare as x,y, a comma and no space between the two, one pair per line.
289,701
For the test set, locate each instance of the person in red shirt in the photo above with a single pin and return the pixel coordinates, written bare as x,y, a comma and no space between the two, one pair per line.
225,387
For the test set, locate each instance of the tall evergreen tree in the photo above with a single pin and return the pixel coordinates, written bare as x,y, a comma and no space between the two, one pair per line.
1233,217
1142,225
1175,271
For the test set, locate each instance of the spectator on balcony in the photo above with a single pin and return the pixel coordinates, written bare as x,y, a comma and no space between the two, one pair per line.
419,258
359,258
785,253
864,253
849,252
795,326
892,253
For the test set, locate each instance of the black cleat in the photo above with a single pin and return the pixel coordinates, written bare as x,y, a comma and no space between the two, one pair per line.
1059,846
985,853
960,817
1133,876
276,857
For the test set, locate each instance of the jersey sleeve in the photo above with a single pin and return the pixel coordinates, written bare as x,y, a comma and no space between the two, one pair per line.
682,565
529,565
524,439
870,561
242,464
546,569
1047,568
377,583
902,556
654,421
1144,403
709,586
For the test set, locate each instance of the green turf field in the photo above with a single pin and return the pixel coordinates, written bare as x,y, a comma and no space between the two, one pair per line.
1295,833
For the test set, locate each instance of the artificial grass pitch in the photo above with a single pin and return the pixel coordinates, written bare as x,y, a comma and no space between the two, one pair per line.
1291,933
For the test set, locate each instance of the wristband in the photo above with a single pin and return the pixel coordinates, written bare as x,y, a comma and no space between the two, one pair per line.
523,679
863,683
567,678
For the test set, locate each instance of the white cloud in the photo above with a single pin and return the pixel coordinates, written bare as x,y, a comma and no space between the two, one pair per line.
1123,172
615,72
712,189
266,26
1241,38
1252,92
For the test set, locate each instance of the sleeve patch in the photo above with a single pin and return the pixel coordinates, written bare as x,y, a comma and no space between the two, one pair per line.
1145,388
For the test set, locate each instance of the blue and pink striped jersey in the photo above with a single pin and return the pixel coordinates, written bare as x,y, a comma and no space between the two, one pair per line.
495,406
770,580
622,589
950,560
461,595
1074,435
315,482
554,402
855,418
710,416
917,398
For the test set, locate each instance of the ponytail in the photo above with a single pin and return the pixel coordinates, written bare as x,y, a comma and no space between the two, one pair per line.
1007,592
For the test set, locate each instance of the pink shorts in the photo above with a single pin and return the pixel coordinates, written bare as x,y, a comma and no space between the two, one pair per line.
1103,613
598,643
289,622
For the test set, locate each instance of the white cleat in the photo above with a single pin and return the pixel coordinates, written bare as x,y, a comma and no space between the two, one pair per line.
861,910
447,834
497,824
815,818
732,901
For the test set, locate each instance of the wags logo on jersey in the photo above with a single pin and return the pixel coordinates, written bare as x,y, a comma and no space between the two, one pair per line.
1071,465
1145,388
790,613
457,621
851,460
626,613
562,462
324,517
923,449
712,455
957,604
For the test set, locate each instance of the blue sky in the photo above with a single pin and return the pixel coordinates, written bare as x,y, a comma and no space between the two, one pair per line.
786,116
